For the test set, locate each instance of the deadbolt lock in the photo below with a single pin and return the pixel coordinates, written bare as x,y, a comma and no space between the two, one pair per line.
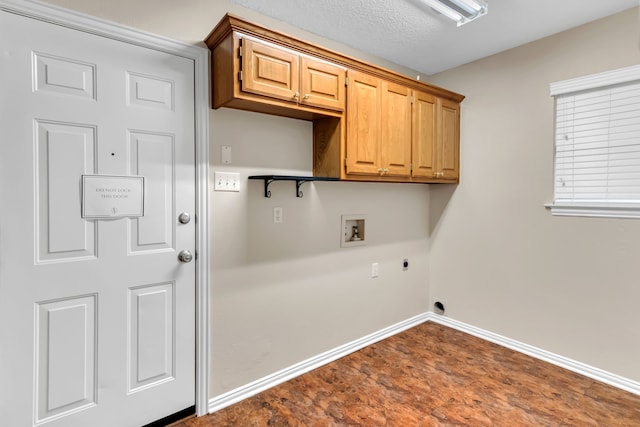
184,218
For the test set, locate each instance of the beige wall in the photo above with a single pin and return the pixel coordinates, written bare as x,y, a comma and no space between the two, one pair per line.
282,293
498,258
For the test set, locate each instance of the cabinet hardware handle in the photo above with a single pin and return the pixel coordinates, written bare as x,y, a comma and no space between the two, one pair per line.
296,94
385,170
306,96
380,170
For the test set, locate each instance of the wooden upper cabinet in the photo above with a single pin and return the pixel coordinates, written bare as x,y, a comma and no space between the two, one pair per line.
449,139
269,71
283,74
435,138
369,123
262,76
395,153
396,133
322,84
364,95
424,135
378,127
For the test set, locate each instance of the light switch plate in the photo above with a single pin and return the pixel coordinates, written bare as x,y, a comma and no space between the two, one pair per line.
226,181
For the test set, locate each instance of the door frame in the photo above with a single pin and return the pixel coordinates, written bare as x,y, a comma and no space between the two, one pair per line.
200,56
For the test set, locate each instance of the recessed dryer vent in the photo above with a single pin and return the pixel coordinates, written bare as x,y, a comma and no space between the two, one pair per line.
353,231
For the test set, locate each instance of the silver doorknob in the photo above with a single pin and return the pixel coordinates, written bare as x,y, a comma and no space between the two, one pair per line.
184,218
185,256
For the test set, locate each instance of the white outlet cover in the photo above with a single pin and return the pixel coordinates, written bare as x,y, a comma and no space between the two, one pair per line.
375,270
225,154
277,215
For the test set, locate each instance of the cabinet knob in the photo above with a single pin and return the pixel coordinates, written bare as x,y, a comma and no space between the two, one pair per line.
306,96
296,94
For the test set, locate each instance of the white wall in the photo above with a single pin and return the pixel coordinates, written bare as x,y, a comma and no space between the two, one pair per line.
282,293
498,258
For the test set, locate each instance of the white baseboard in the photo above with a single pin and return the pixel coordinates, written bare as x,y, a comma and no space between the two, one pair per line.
255,387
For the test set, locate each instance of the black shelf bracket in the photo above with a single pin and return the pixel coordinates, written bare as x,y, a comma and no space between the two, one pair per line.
299,193
267,182
268,179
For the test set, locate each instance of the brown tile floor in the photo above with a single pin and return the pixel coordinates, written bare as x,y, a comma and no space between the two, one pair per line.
432,375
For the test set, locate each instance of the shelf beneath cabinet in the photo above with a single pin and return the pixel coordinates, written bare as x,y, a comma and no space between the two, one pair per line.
268,179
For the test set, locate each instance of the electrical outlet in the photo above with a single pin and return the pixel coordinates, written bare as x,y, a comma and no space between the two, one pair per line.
374,270
277,215
226,181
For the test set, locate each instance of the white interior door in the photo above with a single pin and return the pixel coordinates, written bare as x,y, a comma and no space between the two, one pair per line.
97,322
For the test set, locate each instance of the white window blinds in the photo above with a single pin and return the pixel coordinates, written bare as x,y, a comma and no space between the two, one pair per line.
597,145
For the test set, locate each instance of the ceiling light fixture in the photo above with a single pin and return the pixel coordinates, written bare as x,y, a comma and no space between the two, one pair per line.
460,11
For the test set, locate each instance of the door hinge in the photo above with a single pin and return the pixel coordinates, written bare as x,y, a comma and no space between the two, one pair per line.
240,48
345,162
240,75
346,81
412,99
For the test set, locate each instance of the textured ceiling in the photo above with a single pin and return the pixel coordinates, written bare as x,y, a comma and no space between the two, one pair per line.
409,33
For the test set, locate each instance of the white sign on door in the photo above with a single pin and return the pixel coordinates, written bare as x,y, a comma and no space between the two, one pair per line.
109,196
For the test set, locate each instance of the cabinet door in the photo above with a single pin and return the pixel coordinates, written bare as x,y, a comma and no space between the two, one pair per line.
322,84
424,137
395,153
269,71
449,139
363,123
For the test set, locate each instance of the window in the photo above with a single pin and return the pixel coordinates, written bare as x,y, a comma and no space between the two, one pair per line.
597,145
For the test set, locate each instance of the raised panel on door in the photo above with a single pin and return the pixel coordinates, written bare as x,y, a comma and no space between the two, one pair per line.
63,153
449,139
64,76
152,155
424,135
65,357
395,153
322,84
152,344
269,71
363,123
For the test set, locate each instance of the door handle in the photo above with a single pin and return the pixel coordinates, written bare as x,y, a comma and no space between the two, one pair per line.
185,256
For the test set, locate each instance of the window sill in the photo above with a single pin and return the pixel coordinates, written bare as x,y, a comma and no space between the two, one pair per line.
597,210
